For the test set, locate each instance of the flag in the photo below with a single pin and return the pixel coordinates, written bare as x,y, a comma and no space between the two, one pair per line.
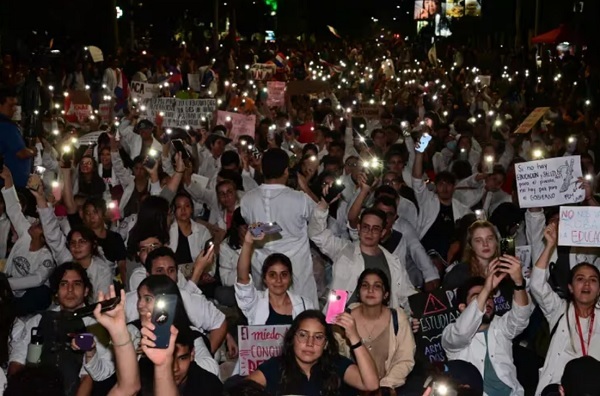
333,69
333,31
280,60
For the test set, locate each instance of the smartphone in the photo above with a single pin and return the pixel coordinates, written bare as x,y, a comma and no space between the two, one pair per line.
507,246
423,142
180,147
162,318
34,181
105,305
480,214
208,245
267,228
67,158
85,341
334,190
254,151
337,305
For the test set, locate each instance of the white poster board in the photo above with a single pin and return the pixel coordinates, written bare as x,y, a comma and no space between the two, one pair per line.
523,253
181,112
142,90
237,124
579,226
275,93
258,344
194,81
549,182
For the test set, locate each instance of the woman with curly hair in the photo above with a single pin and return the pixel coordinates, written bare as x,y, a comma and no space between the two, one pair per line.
310,363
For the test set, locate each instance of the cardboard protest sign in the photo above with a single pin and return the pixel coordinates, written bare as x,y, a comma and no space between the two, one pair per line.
258,344
307,87
579,226
262,71
532,119
435,312
82,111
367,110
237,124
549,182
275,93
142,90
194,81
181,112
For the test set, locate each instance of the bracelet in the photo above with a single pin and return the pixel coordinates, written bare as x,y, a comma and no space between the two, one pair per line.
120,345
521,286
357,345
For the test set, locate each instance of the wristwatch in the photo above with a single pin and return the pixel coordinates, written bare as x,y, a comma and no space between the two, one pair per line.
522,286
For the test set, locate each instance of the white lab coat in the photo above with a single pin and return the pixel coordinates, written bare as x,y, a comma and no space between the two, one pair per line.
561,349
462,340
99,271
535,223
470,192
99,368
25,268
348,262
4,231
291,210
429,207
228,259
196,240
132,142
208,165
208,196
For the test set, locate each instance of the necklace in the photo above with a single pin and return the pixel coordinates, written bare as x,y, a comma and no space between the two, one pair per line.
369,338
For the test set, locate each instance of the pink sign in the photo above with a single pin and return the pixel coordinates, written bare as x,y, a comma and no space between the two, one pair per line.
276,93
258,344
105,113
237,124
82,111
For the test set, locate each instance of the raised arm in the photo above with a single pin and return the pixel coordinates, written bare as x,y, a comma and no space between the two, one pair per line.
329,244
357,205
67,196
12,207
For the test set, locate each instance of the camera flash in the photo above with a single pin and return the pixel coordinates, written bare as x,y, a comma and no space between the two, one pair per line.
152,152
589,177
161,304
571,139
313,157
66,149
537,153
489,158
338,182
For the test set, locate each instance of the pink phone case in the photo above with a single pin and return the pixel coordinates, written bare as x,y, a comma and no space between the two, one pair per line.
337,305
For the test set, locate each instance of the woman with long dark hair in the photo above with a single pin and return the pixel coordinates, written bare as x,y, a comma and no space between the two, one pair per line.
310,363
385,331
88,180
573,322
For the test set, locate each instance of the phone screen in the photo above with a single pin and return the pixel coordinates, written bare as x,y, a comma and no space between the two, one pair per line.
180,147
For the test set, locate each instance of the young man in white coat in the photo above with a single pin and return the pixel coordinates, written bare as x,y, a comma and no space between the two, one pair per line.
291,210
483,339
350,259
438,211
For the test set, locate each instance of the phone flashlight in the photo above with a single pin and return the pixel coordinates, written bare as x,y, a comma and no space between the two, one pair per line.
152,152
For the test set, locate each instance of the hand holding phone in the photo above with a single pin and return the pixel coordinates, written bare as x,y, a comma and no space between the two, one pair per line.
336,305
507,246
180,147
334,190
162,318
84,341
266,228
105,305
423,142
34,182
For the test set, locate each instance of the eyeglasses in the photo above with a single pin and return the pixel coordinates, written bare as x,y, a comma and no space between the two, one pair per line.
352,164
78,242
371,229
149,248
303,337
389,182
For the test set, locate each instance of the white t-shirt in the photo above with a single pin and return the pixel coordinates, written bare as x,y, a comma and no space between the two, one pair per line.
27,269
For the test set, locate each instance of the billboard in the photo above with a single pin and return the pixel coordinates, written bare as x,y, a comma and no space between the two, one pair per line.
449,9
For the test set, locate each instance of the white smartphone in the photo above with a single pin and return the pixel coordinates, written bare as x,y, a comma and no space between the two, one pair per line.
423,142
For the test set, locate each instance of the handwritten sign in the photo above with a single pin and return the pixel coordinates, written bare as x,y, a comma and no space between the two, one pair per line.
262,71
579,226
105,112
368,111
532,119
142,90
258,344
181,112
82,111
238,124
276,93
435,312
549,182
194,81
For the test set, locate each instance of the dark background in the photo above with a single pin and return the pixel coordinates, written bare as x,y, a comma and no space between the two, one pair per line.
91,22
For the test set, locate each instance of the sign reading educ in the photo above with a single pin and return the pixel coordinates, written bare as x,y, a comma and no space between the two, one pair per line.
258,344
549,182
578,226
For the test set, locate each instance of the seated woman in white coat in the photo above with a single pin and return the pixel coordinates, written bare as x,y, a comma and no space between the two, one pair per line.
275,305
484,339
573,331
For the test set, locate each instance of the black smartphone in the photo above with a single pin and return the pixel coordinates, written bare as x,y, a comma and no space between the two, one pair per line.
180,147
207,245
105,305
162,318
67,158
336,188
507,246
149,162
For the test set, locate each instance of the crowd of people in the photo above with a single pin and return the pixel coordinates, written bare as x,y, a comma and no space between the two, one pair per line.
264,228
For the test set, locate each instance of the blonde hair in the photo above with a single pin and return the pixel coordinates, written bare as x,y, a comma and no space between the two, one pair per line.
468,253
